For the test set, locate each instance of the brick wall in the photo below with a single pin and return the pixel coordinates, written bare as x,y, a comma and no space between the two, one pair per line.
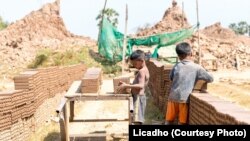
159,82
36,95
205,108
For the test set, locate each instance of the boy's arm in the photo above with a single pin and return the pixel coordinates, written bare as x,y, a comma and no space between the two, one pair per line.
140,85
204,75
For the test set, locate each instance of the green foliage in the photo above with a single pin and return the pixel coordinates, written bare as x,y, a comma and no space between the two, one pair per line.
241,28
48,57
152,112
3,24
110,14
41,59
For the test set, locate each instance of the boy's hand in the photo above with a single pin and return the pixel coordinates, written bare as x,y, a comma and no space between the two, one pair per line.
122,85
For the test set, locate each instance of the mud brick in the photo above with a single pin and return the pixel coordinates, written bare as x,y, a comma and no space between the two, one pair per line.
6,102
124,91
200,85
90,80
5,121
90,89
94,71
125,79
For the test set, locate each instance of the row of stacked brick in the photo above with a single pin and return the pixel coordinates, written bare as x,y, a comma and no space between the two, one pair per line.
206,109
32,88
159,82
91,80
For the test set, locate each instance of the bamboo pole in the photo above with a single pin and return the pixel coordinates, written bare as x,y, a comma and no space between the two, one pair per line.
100,28
124,41
182,14
197,12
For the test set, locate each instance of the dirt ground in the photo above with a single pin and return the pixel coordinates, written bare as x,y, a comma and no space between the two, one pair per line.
233,86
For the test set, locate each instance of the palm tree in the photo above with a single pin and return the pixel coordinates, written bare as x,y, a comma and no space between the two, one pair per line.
110,14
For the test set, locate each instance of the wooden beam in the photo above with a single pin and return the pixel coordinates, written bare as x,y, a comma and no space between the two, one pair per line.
197,13
66,119
100,120
72,109
59,109
125,40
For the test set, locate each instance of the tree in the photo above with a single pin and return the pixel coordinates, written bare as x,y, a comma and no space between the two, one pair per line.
3,24
241,28
110,14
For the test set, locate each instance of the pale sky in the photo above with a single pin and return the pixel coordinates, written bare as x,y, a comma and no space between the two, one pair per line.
79,15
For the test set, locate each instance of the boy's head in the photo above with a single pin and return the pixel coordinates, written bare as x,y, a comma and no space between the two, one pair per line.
183,50
137,58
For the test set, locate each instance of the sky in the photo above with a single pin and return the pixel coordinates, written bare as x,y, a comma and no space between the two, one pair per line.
79,15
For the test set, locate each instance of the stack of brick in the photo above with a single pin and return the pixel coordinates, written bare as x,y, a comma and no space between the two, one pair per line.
19,101
17,131
206,109
63,79
25,109
52,73
159,82
30,82
6,107
116,81
44,82
91,80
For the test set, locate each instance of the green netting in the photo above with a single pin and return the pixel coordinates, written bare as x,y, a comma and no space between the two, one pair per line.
110,44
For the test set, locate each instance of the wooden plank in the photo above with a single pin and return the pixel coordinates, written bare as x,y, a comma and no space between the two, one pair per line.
100,120
61,106
74,88
72,109
66,118
96,95
88,135
62,127
97,98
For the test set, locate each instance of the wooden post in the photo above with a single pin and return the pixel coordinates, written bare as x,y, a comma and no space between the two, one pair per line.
72,109
197,11
182,14
100,28
125,40
66,119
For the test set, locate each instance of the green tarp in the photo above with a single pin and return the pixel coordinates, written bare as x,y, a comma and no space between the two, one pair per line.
110,43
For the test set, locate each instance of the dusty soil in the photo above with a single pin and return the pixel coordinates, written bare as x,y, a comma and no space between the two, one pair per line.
233,86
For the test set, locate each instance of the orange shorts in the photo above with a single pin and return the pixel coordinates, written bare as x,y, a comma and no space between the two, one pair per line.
175,109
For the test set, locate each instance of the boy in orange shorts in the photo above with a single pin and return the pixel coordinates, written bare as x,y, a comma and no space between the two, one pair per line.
184,75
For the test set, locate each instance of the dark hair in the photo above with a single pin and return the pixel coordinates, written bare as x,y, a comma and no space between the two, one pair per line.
137,55
183,49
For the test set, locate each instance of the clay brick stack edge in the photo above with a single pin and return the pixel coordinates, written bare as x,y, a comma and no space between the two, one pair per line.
159,82
36,95
205,109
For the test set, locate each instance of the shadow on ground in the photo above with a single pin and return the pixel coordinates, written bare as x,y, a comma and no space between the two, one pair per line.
53,136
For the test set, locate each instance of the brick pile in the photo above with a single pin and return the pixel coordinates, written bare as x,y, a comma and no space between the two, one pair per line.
28,81
159,82
116,81
206,109
29,106
91,80
5,111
